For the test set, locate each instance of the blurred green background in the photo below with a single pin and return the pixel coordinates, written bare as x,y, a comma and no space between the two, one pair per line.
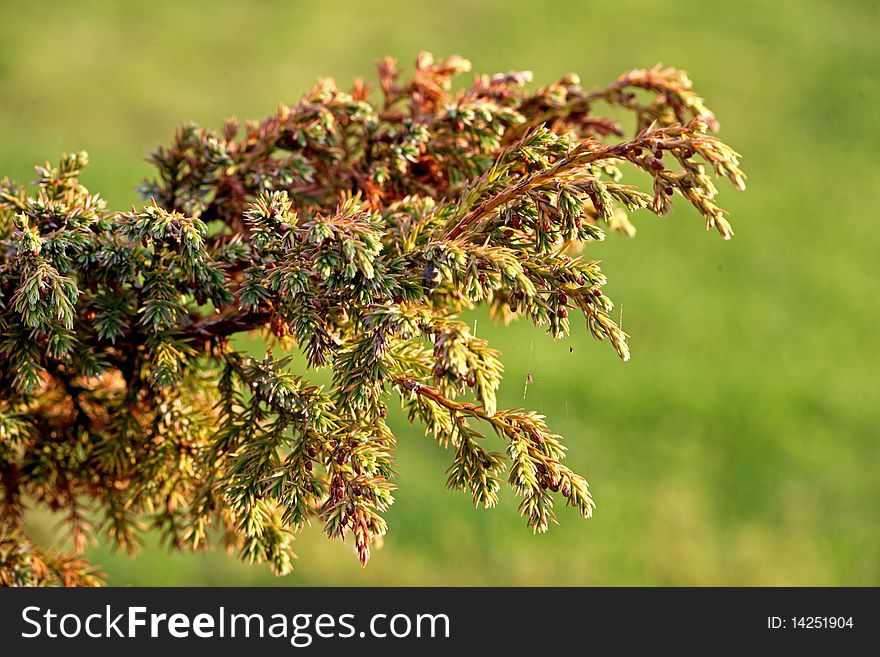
739,446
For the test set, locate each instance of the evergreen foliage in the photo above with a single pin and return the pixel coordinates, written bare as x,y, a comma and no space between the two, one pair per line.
356,232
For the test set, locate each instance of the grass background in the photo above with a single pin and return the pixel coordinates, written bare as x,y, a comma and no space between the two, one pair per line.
739,446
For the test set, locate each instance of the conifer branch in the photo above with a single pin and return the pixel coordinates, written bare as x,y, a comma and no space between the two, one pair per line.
355,232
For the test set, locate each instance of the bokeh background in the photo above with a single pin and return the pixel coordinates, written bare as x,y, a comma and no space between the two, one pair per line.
740,444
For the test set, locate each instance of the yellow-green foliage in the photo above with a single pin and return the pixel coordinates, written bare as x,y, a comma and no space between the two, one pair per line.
356,229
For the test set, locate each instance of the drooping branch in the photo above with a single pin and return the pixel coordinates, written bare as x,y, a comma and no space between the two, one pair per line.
356,233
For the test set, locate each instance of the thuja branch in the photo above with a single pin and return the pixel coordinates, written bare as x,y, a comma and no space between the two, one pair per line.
355,232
